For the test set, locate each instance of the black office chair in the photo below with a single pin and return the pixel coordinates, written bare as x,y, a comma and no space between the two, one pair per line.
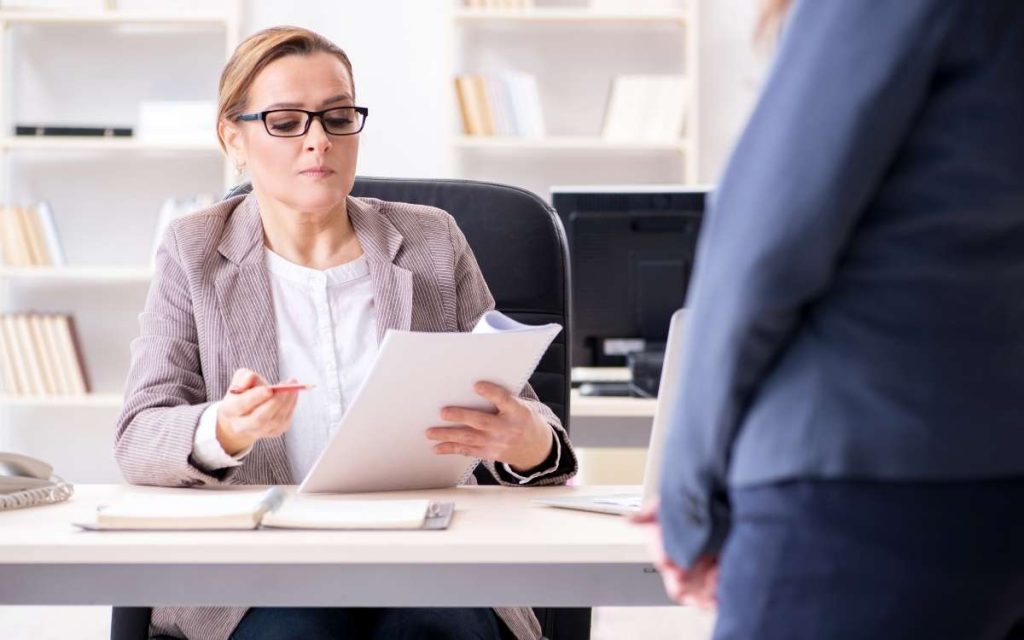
520,245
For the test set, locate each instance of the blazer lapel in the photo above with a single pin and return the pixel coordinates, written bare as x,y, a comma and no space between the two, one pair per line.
392,284
246,304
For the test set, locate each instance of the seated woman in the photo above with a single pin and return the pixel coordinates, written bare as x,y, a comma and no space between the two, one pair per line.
300,281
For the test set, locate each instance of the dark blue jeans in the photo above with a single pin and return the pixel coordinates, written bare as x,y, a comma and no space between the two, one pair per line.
320,623
867,560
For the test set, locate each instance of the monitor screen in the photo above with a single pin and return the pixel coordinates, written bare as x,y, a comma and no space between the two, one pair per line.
631,251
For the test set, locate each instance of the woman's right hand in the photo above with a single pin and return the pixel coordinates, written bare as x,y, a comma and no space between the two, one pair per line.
250,411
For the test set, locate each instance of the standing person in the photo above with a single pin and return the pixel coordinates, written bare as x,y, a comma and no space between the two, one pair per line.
846,457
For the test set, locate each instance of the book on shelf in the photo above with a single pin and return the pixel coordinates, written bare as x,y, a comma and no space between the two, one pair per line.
28,237
503,104
498,4
40,356
64,130
171,210
637,6
646,108
197,509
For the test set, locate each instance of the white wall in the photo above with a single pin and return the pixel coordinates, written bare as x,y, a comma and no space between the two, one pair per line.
403,52
731,72
400,52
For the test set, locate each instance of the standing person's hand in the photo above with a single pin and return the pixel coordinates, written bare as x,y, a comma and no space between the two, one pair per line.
251,411
696,585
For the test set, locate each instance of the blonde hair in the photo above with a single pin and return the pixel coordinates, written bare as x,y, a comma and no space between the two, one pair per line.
257,51
773,13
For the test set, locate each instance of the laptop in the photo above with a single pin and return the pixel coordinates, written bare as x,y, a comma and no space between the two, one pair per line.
628,503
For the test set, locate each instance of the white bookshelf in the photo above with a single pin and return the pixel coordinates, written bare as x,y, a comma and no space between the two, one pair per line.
96,144
78,274
565,143
112,18
105,192
90,401
581,15
575,51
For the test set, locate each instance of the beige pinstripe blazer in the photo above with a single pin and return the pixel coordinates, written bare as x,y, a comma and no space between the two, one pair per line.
209,311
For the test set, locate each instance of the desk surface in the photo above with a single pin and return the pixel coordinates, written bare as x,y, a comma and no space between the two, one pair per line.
499,550
597,421
610,407
491,524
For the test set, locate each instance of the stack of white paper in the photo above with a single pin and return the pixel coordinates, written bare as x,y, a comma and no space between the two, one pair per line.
381,443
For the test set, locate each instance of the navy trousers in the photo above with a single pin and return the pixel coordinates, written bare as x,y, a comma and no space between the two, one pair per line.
867,560
321,623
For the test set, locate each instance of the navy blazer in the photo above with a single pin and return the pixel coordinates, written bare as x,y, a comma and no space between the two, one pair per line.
857,308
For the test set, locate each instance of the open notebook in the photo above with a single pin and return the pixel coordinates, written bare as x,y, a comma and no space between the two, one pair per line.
190,509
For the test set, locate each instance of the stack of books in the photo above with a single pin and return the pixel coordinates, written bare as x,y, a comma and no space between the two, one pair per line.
40,356
637,6
646,108
505,104
28,237
499,4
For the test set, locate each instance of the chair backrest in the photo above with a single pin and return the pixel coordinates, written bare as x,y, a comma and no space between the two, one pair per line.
520,245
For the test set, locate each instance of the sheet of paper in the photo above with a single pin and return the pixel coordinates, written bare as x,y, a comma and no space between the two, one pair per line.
381,443
316,512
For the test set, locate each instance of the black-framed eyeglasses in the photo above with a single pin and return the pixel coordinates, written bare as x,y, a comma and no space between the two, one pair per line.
293,123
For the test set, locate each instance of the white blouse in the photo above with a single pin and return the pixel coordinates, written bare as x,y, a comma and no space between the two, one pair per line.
326,336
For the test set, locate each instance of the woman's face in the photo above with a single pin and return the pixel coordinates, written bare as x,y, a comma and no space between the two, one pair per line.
310,173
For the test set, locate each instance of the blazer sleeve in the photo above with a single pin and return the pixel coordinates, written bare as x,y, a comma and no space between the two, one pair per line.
165,394
848,81
473,299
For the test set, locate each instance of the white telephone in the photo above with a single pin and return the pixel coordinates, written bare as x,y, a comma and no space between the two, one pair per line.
26,482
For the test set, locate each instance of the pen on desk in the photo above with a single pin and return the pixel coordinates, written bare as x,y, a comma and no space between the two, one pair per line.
284,386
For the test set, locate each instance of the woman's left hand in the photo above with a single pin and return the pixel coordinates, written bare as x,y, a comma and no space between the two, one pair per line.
515,435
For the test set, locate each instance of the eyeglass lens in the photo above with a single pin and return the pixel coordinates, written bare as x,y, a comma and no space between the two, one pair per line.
340,121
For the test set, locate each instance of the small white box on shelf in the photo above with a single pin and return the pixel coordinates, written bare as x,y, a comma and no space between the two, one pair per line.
646,108
177,121
190,7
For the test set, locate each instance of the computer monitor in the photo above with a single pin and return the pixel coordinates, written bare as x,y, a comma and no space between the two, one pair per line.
631,250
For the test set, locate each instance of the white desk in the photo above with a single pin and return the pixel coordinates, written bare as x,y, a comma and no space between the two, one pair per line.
610,422
499,551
